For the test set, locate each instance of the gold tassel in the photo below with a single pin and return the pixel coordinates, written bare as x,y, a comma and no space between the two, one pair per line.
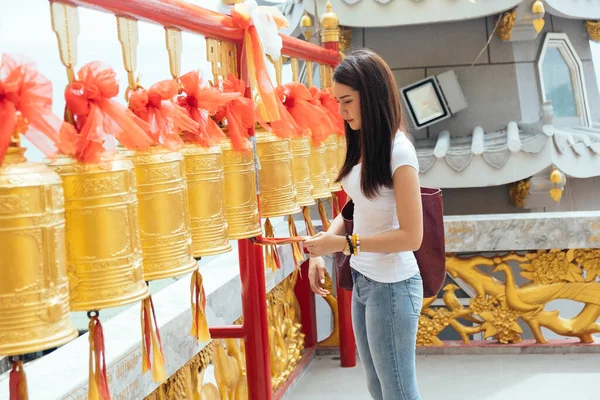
18,381
271,255
323,214
97,382
198,301
151,338
310,229
296,250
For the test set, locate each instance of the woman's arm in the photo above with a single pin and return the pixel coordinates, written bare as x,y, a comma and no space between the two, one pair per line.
337,225
408,237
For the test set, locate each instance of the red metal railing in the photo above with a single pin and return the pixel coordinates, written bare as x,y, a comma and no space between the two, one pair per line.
195,19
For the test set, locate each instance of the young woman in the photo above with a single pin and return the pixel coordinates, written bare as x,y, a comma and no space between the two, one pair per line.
380,174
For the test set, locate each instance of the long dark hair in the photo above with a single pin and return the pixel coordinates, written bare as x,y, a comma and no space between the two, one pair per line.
381,117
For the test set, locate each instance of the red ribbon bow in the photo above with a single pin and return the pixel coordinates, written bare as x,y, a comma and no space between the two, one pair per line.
201,101
89,98
239,113
166,119
309,116
26,107
330,104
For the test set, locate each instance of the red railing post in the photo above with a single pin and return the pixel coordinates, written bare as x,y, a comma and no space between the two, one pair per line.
344,298
254,310
306,301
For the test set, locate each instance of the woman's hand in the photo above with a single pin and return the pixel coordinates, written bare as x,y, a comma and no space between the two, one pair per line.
316,275
324,243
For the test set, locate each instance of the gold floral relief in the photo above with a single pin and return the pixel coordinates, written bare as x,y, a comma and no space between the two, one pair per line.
499,306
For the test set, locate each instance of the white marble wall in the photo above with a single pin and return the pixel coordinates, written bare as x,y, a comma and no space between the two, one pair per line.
533,231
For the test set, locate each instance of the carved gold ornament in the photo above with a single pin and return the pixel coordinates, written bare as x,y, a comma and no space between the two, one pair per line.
498,306
507,22
593,29
518,191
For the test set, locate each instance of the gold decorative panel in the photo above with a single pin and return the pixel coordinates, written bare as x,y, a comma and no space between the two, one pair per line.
500,305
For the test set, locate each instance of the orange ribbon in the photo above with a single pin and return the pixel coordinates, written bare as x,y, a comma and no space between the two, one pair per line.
330,104
18,382
198,304
201,102
166,119
97,383
89,99
309,116
152,361
255,61
239,113
26,107
329,124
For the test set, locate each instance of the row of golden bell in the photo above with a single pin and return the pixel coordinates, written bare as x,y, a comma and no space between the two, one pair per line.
86,236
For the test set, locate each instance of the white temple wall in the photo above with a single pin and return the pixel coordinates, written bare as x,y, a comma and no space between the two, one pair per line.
501,87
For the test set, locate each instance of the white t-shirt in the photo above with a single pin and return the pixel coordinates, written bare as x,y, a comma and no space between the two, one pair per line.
379,215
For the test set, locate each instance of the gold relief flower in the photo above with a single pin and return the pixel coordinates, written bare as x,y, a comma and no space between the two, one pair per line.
554,266
431,326
589,260
499,320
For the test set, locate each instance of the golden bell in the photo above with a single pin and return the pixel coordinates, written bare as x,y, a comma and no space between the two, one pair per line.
164,217
301,163
34,289
276,175
318,171
104,257
206,199
241,204
331,159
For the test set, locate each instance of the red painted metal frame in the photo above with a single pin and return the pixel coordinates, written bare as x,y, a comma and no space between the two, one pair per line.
195,19
344,299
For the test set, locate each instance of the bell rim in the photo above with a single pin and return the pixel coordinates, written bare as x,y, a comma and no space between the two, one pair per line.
245,235
188,267
42,344
88,305
282,213
213,252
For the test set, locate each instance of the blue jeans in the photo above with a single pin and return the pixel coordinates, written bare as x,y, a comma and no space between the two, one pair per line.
385,317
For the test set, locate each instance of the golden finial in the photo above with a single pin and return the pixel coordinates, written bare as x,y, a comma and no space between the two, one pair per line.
538,7
330,25
306,21
555,176
329,20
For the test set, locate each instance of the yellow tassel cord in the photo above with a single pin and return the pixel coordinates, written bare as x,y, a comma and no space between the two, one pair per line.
198,301
310,229
151,339
296,250
18,381
323,214
98,384
271,254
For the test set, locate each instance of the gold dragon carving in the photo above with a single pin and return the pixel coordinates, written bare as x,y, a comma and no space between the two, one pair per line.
495,311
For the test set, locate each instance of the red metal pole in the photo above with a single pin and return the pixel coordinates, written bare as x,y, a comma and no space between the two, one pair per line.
306,300
344,298
227,332
254,310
